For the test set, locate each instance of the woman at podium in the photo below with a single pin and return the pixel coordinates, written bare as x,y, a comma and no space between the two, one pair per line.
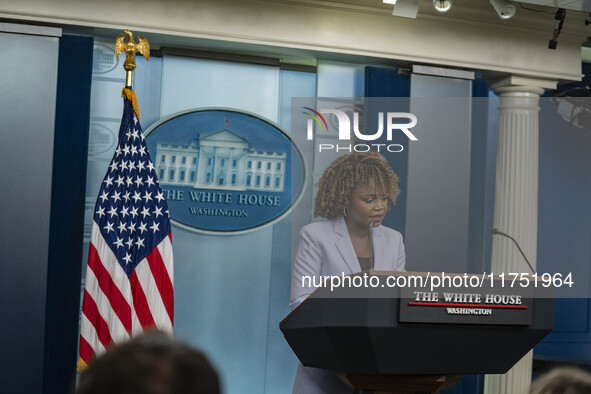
355,193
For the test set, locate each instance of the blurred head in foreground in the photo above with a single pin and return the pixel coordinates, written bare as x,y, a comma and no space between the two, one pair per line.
150,364
564,380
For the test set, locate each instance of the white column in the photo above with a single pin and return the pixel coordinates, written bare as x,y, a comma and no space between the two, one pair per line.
516,199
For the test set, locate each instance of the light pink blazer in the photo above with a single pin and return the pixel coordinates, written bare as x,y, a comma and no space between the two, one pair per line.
326,249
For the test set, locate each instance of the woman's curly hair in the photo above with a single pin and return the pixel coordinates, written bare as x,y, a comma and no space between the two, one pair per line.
345,174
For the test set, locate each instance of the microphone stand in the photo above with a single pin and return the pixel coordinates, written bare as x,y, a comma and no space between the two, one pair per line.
497,232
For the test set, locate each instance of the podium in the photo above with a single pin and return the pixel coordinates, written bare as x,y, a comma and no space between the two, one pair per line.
403,339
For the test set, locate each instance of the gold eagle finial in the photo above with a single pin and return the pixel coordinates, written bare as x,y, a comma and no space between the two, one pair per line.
131,47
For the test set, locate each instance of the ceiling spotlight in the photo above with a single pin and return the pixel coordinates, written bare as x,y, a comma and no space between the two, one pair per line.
406,8
390,2
442,5
505,9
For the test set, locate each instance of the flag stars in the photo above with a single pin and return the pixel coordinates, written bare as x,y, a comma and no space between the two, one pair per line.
116,196
157,211
100,212
133,212
154,227
130,202
109,227
138,181
124,211
145,212
119,242
108,181
140,242
112,212
150,181
104,196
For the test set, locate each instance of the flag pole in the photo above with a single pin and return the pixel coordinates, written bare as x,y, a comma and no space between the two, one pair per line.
131,47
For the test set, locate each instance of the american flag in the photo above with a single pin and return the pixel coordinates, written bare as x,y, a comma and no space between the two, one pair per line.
129,277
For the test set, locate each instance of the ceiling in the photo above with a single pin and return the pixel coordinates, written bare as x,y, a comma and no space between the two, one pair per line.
575,5
531,14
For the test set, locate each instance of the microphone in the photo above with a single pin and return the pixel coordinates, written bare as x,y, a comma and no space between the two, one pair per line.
371,263
496,231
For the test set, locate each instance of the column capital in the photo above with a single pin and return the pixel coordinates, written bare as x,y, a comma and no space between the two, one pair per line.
514,85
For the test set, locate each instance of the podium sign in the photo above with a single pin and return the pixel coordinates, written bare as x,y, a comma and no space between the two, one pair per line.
489,303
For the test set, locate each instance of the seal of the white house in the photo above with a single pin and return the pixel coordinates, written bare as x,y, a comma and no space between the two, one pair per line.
225,171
